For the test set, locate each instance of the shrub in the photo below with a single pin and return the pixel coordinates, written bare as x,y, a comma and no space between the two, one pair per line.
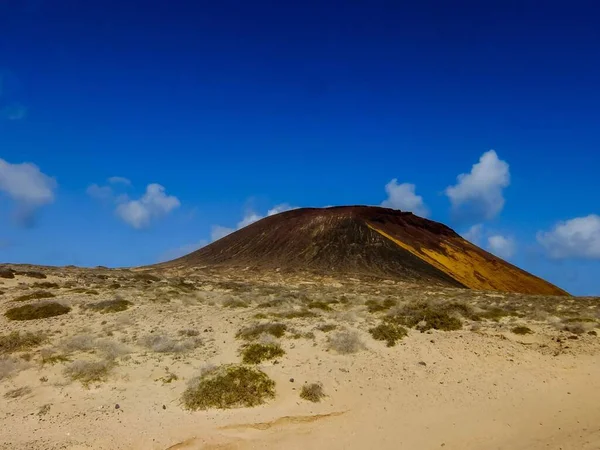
425,316
254,331
163,344
389,332
32,274
374,306
326,327
234,303
34,296
17,341
312,392
522,330
229,386
319,305
345,342
296,314
37,311
46,285
89,371
6,273
147,277
110,306
257,353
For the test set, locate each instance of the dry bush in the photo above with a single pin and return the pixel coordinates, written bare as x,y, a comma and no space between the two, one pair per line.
256,353
17,341
296,314
79,342
110,306
37,311
312,392
189,333
19,392
234,303
229,386
34,296
6,273
89,371
521,330
345,342
425,316
255,331
374,306
326,327
388,332
31,274
147,277
160,343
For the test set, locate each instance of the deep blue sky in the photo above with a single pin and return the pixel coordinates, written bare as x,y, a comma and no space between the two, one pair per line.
238,106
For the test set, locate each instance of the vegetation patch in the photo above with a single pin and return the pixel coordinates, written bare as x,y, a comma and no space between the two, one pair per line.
425,316
6,273
257,353
37,311
253,332
327,327
374,306
46,285
522,330
19,392
235,303
388,332
89,371
147,277
345,342
163,344
319,305
34,296
17,341
110,306
312,392
296,314
496,313
31,274
229,386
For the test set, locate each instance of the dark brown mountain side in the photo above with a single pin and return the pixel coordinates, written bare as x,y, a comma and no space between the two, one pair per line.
366,241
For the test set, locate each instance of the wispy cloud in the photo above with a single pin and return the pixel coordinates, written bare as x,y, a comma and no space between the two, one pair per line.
474,234
502,246
28,187
478,195
403,197
574,238
119,180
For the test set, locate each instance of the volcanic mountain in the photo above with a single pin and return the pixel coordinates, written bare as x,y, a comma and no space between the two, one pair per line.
365,241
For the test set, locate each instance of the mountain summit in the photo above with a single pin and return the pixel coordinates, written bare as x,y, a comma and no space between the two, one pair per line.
365,241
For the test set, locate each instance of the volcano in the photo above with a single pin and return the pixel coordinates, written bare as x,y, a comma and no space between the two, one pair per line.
365,241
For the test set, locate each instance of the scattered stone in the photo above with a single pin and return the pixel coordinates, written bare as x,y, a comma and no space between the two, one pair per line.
291,380
117,406
422,363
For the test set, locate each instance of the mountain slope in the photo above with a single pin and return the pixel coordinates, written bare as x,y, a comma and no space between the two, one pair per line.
369,241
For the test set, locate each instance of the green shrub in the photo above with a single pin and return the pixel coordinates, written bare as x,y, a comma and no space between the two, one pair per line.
257,353
254,331
388,332
110,306
426,316
229,386
522,330
37,311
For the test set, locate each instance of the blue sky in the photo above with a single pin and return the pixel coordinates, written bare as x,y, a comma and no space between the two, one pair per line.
218,112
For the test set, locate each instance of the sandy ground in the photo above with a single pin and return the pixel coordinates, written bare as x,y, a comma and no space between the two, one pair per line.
482,387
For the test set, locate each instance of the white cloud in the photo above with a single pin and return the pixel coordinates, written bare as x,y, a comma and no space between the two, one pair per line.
403,197
99,192
501,246
575,238
119,180
152,205
217,232
250,217
474,234
478,194
27,186
183,250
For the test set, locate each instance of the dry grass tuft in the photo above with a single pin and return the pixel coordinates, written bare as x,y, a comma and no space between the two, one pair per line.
34,296
17,341
388,332
19,392
326,327
312,392
89,371
37,311
235,303
160,343
229,386
257,353
253,332
374,306
345,342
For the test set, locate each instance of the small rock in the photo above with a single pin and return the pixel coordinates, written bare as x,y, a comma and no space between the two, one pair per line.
422,363
164,407
291,380
117,406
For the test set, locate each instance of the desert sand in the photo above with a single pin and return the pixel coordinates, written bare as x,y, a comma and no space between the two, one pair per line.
482,386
